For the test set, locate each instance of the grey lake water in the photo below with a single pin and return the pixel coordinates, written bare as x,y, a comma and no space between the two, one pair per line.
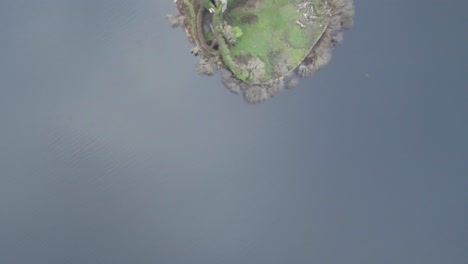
114,150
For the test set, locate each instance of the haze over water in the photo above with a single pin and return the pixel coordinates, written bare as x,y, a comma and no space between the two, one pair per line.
114,150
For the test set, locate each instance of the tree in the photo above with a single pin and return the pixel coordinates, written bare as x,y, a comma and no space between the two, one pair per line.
204,67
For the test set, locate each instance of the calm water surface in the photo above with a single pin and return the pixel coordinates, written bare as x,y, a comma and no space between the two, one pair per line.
113,149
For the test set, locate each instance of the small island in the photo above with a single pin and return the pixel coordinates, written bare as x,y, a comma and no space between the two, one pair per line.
263,46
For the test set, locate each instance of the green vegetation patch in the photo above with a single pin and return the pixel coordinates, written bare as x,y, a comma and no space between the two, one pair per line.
276,35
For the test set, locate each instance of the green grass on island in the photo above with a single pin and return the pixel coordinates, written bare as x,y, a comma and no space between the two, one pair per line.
263,46
276,35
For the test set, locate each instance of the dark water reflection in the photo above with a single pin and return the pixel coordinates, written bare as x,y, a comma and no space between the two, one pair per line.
113,149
